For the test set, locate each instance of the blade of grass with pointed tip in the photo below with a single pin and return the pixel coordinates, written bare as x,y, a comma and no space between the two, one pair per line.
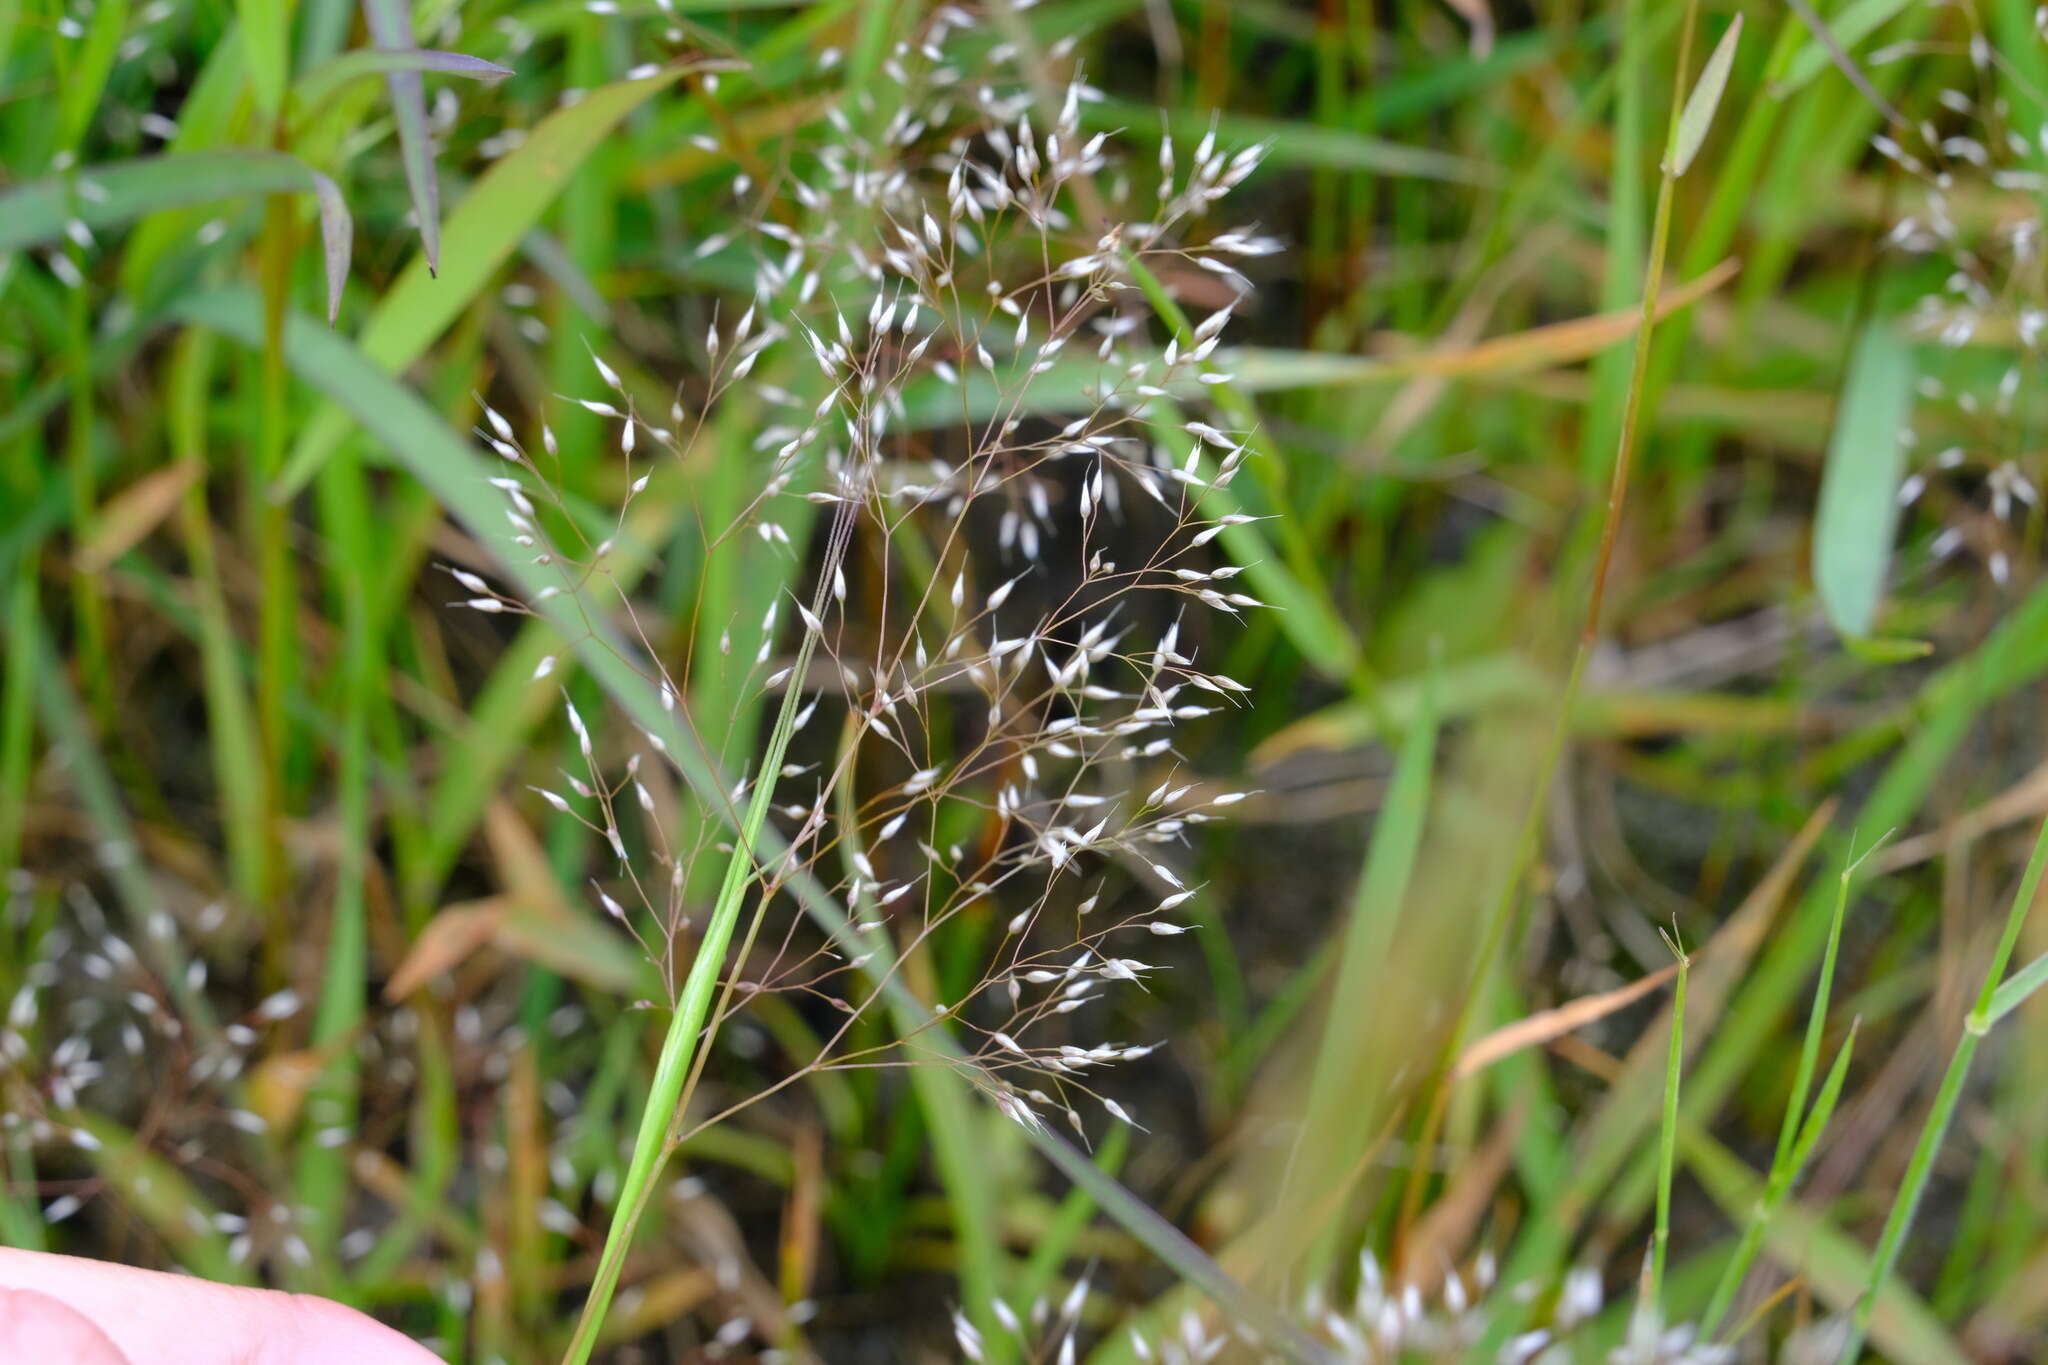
458,476
1824,1103
36,212
1831,1262
1667,1140
1705,99
390,24
336,233
1948,705
1859,491
320,84
2015,991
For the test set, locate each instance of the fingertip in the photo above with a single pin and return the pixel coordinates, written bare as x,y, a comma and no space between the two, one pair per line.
37,1327
161,1319
317,1331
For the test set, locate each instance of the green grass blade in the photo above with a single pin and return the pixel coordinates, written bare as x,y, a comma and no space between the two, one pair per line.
1340,1116
1667,1143
325,81
1859,503
84,73
1921,1169
1941,716
36,213
2014,992
1704,100
1764,1210
266,28
653,1144
1829,1260
1824,1104
1785,1163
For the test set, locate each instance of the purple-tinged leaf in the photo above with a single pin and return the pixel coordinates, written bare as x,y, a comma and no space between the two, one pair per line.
390,24
337,237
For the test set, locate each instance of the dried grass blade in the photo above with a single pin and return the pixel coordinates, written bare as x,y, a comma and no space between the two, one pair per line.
1545,1025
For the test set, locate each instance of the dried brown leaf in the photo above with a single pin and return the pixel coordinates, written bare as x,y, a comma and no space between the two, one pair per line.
450,937
130,515
1545,1025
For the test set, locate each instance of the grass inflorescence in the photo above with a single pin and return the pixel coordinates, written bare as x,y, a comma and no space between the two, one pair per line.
1032,681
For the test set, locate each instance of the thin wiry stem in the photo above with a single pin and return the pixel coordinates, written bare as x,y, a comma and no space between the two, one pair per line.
651,1146
1529,840
1667,1142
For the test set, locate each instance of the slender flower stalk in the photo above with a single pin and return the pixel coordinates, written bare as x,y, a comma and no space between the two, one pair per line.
1667,1142
1528,841
655,1139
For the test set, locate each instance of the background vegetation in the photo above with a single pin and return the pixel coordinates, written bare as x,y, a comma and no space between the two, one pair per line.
310,987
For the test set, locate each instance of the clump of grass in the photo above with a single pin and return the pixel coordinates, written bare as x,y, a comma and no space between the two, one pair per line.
999,613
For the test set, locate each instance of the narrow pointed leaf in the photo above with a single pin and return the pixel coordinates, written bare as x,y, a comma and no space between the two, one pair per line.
2014,992
35,213
337,235
1832,1264
390,23
319,85
1698,115
1823,1105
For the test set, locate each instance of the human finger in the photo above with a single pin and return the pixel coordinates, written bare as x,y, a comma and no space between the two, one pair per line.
159,1319
34,1326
